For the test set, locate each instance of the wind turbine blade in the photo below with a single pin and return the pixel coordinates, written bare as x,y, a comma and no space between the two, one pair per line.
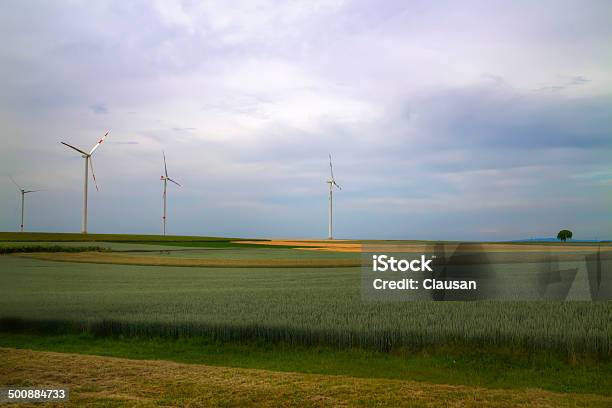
169,179
336,184
331,169
15,183
93,175
32,191
72,147
165,167
93,149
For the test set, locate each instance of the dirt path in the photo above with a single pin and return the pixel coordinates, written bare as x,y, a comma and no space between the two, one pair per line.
123,259
105,381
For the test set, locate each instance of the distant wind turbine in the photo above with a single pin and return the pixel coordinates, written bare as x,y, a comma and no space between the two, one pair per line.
23,193
332,183
88,165
166,179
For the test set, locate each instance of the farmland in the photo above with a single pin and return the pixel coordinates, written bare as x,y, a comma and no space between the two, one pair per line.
302,306
272,299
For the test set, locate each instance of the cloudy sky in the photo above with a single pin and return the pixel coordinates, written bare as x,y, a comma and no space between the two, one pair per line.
482,120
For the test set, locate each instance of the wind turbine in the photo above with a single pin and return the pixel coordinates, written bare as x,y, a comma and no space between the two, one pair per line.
332,183
166,179
23,193
88,165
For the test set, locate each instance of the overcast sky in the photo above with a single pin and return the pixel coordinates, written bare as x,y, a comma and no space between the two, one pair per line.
482,120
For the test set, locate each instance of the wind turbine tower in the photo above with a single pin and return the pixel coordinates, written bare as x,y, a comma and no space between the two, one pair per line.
166,179
88,164
23,193
332,183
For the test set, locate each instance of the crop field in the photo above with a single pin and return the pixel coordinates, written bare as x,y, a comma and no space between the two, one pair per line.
306,305
288,306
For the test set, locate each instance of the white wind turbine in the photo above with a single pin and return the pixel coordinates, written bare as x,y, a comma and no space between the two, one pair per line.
166,179
88,165
23,193
332,183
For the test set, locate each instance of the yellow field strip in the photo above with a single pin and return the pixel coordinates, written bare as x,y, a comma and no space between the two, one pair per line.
122,259
335,245
106,381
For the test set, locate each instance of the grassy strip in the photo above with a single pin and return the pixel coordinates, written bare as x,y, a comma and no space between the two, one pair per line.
490,367
120,259
49,248
104,382
215,244
75,237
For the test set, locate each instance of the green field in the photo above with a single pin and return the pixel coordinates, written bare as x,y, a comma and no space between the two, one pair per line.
307,319
491,367
76,237
302,306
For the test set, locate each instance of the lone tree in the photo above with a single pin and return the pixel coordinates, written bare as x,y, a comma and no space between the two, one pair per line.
564,235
